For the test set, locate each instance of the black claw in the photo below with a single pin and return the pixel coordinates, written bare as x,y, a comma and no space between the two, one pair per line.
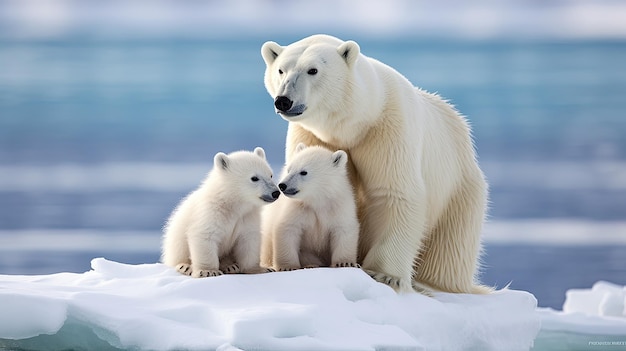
349,264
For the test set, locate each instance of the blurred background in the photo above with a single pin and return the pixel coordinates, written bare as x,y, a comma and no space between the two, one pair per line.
111,112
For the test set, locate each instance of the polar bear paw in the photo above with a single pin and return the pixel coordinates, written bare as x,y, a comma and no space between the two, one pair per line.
203,273
393,282
232,269
257,270
422,288
184,268
347,264
288,269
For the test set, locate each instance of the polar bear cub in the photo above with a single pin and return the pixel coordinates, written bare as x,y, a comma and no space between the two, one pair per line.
216,228
315,224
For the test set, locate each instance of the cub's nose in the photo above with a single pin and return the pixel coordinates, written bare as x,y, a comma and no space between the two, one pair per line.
282,186
283,103
276,194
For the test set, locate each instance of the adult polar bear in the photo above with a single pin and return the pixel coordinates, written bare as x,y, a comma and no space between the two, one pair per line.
420,193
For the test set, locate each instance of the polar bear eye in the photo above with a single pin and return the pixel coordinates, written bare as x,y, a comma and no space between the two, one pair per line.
254,179
303,173
280,71
312,71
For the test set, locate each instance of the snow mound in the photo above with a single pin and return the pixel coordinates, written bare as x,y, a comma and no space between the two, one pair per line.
591,319
603,299
152,307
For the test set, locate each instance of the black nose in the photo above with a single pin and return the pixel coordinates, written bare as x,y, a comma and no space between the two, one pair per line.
283,103
276,194
282,186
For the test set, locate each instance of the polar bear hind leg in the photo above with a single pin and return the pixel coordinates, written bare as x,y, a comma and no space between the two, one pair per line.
449,257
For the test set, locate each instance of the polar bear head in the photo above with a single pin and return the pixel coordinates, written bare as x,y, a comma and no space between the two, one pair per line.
315,172
309,77
245,175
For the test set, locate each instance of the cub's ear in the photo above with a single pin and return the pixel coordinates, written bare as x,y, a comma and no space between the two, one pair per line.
349,51
221,161
300,147
260,152
340,158
270,51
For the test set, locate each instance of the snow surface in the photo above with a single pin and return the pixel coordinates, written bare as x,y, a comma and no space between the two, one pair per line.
151,306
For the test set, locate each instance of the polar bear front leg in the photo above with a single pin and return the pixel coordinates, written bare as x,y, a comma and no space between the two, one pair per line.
204,257
287,248
392,231
343,246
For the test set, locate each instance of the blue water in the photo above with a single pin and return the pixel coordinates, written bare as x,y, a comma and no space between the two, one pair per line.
87,102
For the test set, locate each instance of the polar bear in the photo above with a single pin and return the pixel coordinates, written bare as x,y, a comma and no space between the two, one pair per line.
315,224
216,228
421,195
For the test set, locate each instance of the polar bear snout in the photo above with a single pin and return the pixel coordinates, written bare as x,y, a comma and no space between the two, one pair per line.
283,103
271,198
287,191
286,108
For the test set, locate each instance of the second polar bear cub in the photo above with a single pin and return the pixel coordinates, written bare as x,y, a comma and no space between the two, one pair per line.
315,224
216,228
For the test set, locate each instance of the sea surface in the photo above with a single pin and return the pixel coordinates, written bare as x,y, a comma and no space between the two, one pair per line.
100,138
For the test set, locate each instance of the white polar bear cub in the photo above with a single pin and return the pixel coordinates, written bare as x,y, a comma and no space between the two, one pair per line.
315,224
216,228
421,195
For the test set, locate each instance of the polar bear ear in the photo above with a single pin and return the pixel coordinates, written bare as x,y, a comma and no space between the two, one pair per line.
340,158
270,51
221,161
349,51
260,152
300,147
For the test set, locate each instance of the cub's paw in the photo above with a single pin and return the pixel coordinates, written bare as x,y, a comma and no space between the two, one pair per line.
347,264
288,269
257,270
184,268
232,269
311,266
203,273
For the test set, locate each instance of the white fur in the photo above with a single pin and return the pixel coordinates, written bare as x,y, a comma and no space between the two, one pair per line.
216,228
315,222
421,194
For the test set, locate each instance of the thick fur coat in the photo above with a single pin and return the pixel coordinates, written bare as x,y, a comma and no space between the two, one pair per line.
314,223
216,229
420,192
